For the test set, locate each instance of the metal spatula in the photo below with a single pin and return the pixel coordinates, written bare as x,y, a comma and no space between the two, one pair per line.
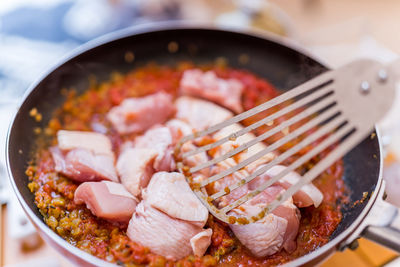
342,105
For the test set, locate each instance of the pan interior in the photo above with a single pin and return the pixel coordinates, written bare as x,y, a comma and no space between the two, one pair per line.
282,66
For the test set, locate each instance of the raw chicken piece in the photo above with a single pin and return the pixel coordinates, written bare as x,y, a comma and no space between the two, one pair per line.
94,142
278,229
308,195
135,168
83,165
84,156
286,211
196,159
107,200
201,242
251,151
169,192
264,237
292,215
227,181
230,145
200,114
178,129
158,138
226,92
164,235
139,114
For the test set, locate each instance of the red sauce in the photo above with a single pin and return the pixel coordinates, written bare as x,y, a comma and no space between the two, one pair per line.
54,193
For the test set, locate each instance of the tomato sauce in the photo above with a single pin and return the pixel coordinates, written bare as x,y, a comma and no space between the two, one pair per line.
75,223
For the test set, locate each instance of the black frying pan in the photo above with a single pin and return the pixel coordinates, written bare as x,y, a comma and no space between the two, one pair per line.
270,57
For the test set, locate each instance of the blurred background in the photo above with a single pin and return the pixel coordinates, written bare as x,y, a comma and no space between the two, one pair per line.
34,35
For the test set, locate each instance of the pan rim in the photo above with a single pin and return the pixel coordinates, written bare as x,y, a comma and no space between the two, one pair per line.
152,28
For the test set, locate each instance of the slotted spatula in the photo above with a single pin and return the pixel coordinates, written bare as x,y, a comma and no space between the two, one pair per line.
342,105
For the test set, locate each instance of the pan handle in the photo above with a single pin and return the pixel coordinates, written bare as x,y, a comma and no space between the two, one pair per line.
383,224
387,236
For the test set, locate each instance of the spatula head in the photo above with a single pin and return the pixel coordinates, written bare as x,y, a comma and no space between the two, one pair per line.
339,108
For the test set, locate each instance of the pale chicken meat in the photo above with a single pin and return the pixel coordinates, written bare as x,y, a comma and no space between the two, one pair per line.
307,195
224,183
287,211
107,200
158,138
231,144
95,142
292,215
253,150
179,129
272,233
138,114
200,114
196,159
264,237
135,168
240,140
201,242
275,231
164,235
169,192
226,92
83,165
84,156
170,218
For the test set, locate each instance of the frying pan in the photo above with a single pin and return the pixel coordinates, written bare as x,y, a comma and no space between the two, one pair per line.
271,57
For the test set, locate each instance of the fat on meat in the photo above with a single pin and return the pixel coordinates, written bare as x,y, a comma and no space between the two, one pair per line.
135,168
169,192
164,235
180,129
196,159
201,242
158,138
287,211
107,200
264,237
83,165
307,195
234,178
94,142
240,140
138,114
200,114
84,156
276,231
226,92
